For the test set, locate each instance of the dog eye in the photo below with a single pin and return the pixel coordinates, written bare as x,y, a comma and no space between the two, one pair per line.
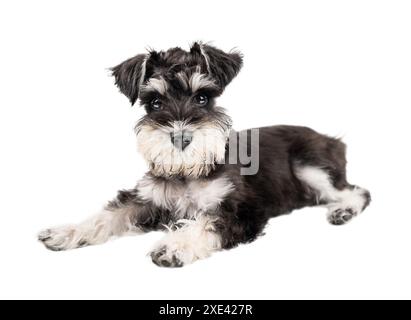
155,104
201,100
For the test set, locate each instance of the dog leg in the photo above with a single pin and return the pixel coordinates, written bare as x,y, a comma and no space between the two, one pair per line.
97,230
126,214
196,239
344,204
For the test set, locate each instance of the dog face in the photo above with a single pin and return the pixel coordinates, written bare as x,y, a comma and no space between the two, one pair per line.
183,132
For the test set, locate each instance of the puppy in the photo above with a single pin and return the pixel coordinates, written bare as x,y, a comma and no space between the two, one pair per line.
209,187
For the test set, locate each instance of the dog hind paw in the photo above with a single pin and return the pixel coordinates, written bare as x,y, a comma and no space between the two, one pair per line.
341,216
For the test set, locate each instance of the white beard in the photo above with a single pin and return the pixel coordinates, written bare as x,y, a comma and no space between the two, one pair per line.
197,159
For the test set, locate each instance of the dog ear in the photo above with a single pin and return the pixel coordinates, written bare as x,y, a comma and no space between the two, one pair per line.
220,65
130,75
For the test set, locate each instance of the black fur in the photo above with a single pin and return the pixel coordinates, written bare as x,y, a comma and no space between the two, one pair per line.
127,75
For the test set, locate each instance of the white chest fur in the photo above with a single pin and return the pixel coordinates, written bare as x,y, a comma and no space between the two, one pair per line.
185,198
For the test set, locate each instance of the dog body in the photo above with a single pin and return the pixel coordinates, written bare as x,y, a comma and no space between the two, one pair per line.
196,188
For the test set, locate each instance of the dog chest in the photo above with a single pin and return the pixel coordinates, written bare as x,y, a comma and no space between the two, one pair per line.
185,198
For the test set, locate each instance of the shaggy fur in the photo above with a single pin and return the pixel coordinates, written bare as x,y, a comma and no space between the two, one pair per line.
192,190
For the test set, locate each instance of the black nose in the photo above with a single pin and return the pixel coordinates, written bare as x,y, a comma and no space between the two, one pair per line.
181,139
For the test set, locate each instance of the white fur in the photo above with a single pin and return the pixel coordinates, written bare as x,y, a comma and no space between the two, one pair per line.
197,159
195,240
319,180
204,54
196,82
188,199
347,198
159,85
199,81
93,231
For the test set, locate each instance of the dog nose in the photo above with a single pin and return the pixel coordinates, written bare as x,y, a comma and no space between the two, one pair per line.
181,139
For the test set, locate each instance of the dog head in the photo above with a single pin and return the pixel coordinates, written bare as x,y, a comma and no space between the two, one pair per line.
183,132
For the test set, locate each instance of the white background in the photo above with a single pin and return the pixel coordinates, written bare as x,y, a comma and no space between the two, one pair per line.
67,144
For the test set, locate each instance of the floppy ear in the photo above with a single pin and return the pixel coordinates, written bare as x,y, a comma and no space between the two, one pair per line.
130,75
220,65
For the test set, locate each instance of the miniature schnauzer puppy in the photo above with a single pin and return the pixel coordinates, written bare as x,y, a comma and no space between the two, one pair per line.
193,190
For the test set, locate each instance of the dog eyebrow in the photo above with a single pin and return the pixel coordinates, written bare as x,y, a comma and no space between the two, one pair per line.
155,84
200,81
196,82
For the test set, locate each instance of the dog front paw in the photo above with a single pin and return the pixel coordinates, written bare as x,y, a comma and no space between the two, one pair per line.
165,257
61,238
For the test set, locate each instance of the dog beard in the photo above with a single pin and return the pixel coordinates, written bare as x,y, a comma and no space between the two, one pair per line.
199,158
